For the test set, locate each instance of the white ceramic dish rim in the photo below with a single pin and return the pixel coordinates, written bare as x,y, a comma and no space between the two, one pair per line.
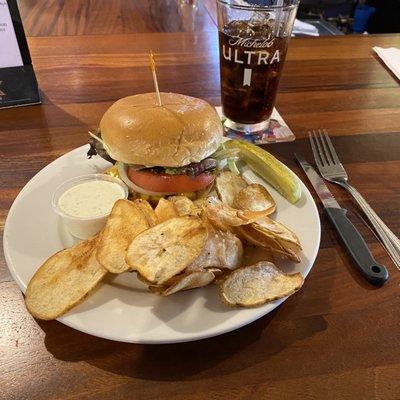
260,311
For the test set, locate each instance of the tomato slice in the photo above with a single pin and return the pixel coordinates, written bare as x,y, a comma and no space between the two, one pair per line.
170,183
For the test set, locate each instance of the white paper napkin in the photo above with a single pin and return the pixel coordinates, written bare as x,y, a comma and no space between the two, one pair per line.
304,28
391,57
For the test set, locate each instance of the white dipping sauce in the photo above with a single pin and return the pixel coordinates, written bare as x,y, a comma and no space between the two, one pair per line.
90,199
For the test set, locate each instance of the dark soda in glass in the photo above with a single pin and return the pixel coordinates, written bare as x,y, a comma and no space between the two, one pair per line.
251,61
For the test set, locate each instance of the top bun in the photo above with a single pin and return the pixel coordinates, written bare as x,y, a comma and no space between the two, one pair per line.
183,130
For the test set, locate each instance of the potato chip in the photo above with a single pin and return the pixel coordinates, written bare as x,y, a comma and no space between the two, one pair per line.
222,214
255,197
278,229
177,278
125,222
142,279
262,239
253,254
199,203
249,237
289,254
211,227
270,234
147,210
216,271
258,284
165,210
157,289
228,186
215,225
187,281
213,193
168,248
288,239
222,250
64,280
184,205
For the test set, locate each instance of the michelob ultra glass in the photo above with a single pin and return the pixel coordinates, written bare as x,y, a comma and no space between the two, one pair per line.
253,41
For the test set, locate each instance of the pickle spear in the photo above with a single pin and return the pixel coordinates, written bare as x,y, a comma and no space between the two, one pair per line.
268,167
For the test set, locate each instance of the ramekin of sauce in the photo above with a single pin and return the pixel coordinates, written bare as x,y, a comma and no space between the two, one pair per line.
84,203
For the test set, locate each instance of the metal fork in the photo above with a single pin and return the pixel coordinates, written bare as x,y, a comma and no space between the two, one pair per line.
332,170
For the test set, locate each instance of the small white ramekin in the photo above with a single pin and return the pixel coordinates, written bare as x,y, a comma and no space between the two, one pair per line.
84,228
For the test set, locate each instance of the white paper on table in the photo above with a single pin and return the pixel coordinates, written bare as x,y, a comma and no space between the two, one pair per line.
10,56
391,57
304,28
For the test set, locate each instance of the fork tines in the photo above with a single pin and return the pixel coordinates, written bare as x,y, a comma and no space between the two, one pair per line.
324,153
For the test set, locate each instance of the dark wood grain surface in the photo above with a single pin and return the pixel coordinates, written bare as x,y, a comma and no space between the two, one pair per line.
338,338
104,17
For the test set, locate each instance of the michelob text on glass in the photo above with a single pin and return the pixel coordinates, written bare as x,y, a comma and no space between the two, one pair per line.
250,57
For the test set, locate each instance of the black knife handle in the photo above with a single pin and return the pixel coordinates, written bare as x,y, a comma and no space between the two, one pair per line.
373,272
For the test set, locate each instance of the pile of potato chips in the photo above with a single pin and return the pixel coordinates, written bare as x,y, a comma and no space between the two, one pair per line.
180,244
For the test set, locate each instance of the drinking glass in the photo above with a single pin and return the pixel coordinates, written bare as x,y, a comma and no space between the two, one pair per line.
253,41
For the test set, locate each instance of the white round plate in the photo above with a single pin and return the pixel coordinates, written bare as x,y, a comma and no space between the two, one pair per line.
121,308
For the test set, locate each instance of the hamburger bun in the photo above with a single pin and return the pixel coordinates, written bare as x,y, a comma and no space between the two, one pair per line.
183,130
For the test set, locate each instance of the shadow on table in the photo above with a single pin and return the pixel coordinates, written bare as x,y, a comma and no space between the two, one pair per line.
220,355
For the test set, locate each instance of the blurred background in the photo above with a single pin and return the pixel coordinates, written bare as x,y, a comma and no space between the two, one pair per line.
352,16
315,17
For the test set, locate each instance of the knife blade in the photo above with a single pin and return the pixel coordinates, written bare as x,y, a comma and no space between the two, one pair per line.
322,190
371,270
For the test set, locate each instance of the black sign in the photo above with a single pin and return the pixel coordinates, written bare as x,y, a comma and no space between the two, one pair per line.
18,85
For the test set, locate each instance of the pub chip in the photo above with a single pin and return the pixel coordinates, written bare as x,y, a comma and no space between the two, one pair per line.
64,280
166,249
258,284
179,245
125,222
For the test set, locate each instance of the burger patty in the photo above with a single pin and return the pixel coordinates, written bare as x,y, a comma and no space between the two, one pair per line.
193,169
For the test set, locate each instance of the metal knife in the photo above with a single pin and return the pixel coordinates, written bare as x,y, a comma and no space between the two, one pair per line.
373,272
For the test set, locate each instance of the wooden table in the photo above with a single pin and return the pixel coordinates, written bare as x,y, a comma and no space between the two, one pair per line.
338,338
